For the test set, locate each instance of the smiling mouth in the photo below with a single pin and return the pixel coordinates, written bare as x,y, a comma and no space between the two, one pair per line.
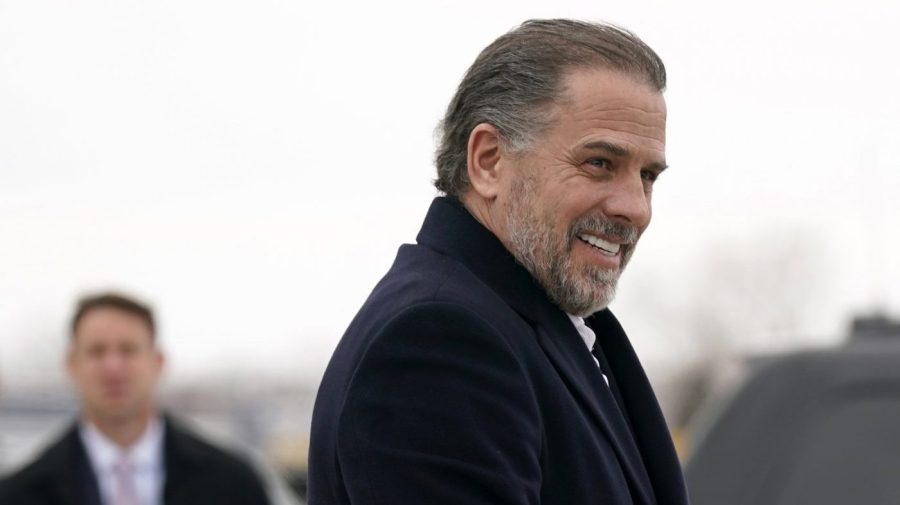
604,246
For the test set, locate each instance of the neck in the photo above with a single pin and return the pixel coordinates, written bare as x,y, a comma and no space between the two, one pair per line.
481,210
123,431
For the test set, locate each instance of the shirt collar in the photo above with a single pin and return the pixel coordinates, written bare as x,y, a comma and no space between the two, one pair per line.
145,453
584,331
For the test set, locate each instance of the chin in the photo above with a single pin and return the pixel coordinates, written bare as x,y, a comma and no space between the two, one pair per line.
596,291
593,309
115,412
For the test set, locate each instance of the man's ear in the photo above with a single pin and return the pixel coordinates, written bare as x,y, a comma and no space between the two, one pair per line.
483,160
160,360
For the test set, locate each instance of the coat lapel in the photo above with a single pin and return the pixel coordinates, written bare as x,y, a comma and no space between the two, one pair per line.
71,476
649,426
574,364
180,461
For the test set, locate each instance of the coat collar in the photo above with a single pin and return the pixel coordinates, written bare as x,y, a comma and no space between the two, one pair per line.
182,456
74,480
451,230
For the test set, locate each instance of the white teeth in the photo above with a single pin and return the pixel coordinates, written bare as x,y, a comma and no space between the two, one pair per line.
600,243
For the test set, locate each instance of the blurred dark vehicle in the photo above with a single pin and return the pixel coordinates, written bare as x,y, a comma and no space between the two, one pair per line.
810,428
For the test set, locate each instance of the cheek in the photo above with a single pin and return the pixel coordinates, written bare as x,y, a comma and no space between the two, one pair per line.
572,205
649,215
91,379
150,372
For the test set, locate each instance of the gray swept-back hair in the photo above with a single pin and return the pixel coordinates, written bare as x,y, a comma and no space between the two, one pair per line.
516,79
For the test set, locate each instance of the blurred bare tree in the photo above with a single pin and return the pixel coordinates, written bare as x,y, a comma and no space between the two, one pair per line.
758,293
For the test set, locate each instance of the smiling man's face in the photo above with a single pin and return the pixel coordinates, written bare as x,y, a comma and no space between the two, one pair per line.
576,203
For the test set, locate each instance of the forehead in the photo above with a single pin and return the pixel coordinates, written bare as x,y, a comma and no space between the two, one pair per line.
106,323
599,101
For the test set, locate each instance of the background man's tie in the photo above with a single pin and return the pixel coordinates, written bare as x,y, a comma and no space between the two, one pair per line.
126,489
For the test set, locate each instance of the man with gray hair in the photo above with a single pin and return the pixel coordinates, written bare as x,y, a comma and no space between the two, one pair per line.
485,367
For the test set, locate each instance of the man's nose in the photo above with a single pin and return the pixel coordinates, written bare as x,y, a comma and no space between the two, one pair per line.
113,361
628,201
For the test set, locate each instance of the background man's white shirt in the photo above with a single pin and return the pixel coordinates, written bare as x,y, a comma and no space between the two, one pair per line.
145,456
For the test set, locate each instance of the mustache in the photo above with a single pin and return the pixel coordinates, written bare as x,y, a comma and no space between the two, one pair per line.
600,225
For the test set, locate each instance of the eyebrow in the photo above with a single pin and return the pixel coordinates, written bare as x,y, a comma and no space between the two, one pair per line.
621,151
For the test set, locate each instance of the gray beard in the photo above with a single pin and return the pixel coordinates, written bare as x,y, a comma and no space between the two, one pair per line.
579,291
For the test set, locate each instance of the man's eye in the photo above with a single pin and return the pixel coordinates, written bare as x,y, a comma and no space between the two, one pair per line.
601,163
95,352
649,175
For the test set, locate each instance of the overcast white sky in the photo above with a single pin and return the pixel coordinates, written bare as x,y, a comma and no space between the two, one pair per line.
250,167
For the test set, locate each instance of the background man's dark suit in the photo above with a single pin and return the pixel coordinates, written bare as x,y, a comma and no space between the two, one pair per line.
459,382
196,473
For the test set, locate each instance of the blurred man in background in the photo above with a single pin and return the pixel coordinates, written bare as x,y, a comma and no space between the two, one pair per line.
485,368
123,450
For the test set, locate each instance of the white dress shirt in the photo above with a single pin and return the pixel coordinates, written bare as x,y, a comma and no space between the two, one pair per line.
589,337
146,456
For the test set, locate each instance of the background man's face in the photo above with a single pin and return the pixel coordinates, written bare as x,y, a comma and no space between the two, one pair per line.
577,202
114,364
